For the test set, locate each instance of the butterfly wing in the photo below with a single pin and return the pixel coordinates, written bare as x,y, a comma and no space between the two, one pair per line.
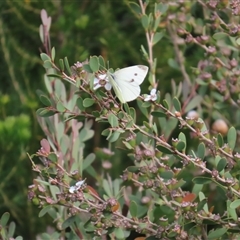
126,82
116,88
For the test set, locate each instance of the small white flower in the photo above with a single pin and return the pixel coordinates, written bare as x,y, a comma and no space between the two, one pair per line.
77,186
72,189
101,81
152,96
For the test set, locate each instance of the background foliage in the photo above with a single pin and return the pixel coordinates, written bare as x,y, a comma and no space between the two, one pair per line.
188,54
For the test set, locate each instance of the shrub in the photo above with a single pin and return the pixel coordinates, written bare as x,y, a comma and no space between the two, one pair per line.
182,177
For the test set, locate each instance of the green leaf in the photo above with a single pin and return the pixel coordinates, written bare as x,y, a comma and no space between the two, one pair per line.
142,109
45,57
202,205
165,104
214,234
113,120
88,161
201,151
119,233
168,126
158,114
94,63
18,238
53,157
176,104
157,37
68,222
96,114
87,68
129,124
120,115
182,137
135,8
133,169
4,219
162,8
105,132
146,104
101,63
113,137
144,21
127,109
53,53
220,140
47,64
173,63
235,204
232,137
55,76
133,113
107,188
231,211
144,52
127,145
167,175
150,19
220,105
147,125
189,27
79,103
85,134
181,146
11,229
221,164
88,102
220,35
45,100
44,112
193,103
67,66
178,184
201,196
133,209
228,175
204,127
61,64
197,188
60,107
46,236
156,22
154,128
44,210
238,41
201,180
164,149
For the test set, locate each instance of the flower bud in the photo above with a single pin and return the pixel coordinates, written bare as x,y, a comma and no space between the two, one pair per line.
220,126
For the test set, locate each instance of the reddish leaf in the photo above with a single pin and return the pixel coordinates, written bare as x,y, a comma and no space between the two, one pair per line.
189,197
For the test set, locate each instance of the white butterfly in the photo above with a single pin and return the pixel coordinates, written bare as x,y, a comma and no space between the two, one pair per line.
126,82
